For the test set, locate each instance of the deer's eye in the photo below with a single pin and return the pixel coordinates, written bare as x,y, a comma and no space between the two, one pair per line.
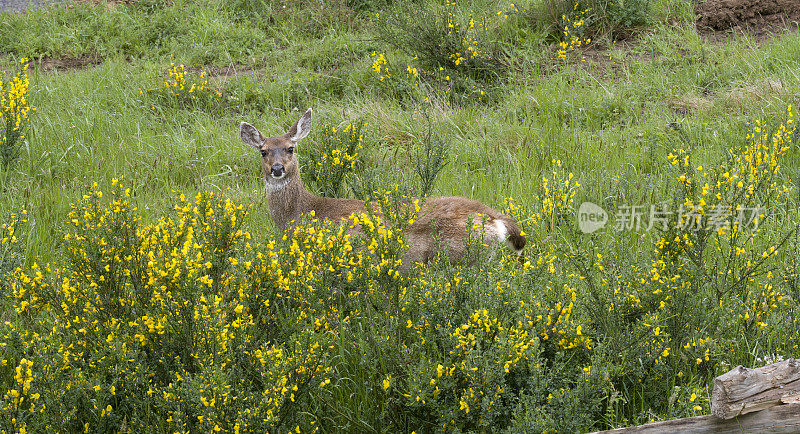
263,153
290,149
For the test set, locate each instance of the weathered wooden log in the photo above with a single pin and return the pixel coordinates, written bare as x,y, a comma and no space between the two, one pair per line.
795,399
743,390
779,419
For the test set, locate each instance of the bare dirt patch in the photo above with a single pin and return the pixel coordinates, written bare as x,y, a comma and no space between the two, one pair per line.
108,3
751,15
67,63
690,103
224,71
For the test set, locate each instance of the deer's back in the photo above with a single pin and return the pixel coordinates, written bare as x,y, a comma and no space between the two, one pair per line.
335,209
442,224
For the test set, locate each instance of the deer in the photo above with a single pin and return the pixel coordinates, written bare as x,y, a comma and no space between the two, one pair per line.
441,223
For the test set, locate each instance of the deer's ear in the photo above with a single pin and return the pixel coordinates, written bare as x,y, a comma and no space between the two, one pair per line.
301,128
250,135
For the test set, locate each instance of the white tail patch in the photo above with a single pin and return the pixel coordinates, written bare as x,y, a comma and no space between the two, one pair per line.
499,229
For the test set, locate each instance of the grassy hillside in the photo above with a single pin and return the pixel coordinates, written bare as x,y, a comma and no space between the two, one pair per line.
147,289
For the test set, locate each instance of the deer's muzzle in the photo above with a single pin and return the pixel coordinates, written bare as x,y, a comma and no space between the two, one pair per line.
278,171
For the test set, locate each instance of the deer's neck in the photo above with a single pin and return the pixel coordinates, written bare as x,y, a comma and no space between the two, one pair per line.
288,202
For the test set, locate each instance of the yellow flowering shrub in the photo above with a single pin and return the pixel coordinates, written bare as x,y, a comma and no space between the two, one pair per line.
337,154
724,207
14,110
551,206
711,284
185,323
380,66
572,38
11,249
186,89
461,54
395,81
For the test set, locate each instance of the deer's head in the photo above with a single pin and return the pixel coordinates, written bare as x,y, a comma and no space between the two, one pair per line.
278,159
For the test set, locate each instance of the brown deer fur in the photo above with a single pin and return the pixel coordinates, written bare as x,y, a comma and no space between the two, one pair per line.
441,222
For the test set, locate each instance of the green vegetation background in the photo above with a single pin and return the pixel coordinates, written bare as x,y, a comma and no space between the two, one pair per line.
593,332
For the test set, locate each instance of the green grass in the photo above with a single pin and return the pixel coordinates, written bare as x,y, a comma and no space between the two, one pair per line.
611,120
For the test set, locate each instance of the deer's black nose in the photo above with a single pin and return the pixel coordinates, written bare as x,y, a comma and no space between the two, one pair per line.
278,170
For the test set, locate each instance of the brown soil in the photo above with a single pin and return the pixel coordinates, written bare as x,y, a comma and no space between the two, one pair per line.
223,71
690,103
109,3
67,63
752,15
